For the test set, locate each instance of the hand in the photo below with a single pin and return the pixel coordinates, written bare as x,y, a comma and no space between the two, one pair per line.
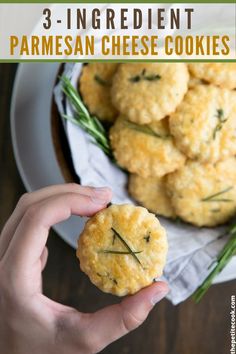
29,321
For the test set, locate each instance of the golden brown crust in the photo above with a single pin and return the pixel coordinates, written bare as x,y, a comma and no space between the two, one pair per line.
95,88
204,124
220,74
142,153
151,193
204,195
122,274
148,92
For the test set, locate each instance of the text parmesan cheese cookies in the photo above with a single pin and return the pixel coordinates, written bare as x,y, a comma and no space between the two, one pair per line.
122,249
151,193
147,150
95,88
204,124
148,92
220,74
204,194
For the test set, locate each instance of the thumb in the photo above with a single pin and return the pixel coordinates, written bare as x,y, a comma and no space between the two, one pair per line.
115,321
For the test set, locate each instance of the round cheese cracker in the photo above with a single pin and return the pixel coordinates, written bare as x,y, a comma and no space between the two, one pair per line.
122,249
220,74
204,194
95,88
148,92
146,150
204,124
151,193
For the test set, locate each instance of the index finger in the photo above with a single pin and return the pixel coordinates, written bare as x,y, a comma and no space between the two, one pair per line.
32,232
29,199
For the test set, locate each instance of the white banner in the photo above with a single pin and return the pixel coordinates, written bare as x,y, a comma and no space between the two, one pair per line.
117,31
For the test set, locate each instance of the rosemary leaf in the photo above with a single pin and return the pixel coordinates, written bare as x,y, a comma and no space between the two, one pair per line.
213,197
83,118
220,113
143,76
152,77
118,252
222,260
147,238
221,120
101,81
132,253
225,200
144,129
136,78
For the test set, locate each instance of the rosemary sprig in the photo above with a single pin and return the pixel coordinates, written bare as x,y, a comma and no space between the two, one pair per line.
221,121
83,118
118,252
101,81
144,76
222,260
144,129
126,246
213,197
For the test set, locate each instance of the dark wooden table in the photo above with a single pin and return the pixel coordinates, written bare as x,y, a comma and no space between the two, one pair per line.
184,329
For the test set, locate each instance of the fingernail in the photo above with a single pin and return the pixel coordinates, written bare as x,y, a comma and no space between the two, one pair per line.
159,295
100,195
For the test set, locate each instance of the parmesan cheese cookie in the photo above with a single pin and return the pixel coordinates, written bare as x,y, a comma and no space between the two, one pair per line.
220,74
122,249
204,124
204,195
95,88
151,193
147,150
147,92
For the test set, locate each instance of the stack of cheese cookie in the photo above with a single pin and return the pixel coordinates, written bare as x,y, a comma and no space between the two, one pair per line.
174,130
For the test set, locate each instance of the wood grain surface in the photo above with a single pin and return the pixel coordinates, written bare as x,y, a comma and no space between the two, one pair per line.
185,329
